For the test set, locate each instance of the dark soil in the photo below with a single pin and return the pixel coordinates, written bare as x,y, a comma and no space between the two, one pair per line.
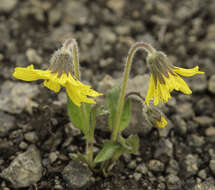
182,156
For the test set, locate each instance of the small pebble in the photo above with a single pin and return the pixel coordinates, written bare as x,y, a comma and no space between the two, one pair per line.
127,158
173,182
1,57
211,84
142,168
132,164
156,166
210,131
23,145
137,176
212,166
202,174
53,157
31,137
33,56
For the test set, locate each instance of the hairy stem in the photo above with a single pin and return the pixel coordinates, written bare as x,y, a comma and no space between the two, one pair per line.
71,43
139,45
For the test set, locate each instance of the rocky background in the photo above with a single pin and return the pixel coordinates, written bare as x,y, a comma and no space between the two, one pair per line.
36,138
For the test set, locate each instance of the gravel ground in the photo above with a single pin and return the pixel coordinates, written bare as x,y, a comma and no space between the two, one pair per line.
36,137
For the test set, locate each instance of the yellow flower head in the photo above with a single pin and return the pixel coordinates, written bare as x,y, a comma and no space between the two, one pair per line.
59,74
154,117
165,78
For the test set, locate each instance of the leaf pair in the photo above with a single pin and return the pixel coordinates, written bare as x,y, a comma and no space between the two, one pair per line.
113,150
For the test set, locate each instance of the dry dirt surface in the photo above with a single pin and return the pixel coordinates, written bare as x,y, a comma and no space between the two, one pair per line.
36,137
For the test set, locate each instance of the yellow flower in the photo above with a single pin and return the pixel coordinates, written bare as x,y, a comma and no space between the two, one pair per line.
154,117
165,78
162,123
59,74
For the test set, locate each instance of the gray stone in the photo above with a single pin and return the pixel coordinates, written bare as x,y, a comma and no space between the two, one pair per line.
7,5
137,176
164,148
202,174
204,106
142,168
181,126
62,99
33,56
127,158
1,57
210,131
52,143
76,174
23,145
212,166
16,97
107,35
204,121
212,153
185,110
54,15
207,65
25,169
75,13
132,164
70,129
123,29
196,140
156,166
211,84
31,137
6,124
106,62
116,5
190,165
173,167
173,182
208,184
53,156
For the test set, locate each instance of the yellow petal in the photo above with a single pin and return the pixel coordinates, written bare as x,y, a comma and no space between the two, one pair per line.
52,85
151,90
165,92
162,123
90,92
183,87
77,95
156,94
187,72
29,73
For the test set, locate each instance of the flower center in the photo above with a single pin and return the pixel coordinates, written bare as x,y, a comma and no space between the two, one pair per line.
61,62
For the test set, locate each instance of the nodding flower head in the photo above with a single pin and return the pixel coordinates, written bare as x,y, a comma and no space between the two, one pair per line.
154,117
61,62
165,78
60,73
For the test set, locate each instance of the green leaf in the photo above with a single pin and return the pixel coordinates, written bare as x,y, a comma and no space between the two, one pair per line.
93,115
112,102
107,151
79,120
129,146
133,142
126,115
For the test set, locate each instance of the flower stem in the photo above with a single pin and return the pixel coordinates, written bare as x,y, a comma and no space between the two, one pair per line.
139,45
71,43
